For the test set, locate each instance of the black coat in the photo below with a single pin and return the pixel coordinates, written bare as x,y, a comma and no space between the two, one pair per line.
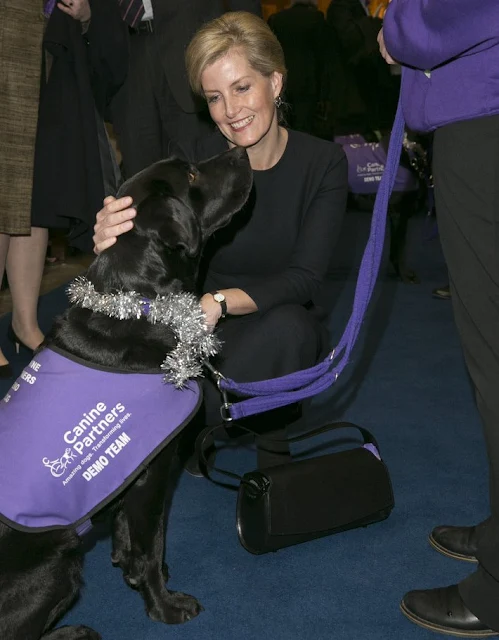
79,77
357,34
175,22
356,30
307,44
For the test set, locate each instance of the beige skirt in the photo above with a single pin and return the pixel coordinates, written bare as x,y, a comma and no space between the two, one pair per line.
21,32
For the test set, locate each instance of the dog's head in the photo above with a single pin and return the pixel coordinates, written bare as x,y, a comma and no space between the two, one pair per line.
179,206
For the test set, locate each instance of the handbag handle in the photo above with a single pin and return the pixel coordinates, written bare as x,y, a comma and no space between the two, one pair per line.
368,437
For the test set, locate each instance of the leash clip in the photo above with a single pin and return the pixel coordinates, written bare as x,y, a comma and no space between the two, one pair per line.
218,375
226,405
225,411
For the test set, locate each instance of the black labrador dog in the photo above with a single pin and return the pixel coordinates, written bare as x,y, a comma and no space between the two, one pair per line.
178,207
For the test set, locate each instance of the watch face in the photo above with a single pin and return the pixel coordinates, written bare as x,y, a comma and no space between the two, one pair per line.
219,297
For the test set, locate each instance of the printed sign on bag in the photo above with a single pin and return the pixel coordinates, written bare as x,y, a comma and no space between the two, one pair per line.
366,165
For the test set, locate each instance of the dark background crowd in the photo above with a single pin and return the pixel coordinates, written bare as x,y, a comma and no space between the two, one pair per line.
85,73
337,83
93,91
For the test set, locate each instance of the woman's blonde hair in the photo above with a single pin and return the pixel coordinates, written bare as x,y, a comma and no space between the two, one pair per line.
236,29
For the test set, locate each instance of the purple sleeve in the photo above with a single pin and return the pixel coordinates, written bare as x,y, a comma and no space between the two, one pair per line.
427,33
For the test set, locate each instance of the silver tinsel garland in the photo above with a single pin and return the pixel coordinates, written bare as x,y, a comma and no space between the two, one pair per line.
181,312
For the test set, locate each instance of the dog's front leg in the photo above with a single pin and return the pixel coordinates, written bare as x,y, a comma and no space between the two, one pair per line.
121,548
144,508
120,554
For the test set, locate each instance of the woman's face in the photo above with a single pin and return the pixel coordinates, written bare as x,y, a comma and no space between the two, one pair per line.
240,99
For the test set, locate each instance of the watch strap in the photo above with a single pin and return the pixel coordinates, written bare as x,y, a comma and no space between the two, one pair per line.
222,303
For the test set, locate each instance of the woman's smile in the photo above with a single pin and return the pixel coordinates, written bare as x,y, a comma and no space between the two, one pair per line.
242,124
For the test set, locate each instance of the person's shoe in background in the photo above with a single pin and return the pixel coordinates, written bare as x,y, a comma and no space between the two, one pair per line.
443,293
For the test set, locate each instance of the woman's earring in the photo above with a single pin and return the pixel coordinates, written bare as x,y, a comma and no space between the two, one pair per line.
278,101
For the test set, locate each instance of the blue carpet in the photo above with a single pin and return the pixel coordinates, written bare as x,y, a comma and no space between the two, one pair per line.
407,383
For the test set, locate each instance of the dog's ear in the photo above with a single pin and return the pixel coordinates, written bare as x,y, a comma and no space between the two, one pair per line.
227,197
216,219
172,220
183,229
222,184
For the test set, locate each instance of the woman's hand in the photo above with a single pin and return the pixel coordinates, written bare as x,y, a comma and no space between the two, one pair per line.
77,9
212,310
112,220
382,48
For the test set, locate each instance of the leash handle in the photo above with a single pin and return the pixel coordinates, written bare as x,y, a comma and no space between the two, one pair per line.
278,392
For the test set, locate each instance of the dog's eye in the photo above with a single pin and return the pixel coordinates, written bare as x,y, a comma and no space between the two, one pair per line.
191,176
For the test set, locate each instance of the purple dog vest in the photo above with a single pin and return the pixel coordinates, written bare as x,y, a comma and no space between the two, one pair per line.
73,436
366,165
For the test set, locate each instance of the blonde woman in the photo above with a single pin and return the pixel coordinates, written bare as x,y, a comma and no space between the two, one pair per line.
260,274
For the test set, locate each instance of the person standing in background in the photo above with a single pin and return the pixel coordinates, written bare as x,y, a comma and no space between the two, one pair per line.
357,29
450,54
308,46
84,63
22,246
155,110
58,61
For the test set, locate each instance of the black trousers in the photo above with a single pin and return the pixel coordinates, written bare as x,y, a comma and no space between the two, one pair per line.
147,120
260,346
466,171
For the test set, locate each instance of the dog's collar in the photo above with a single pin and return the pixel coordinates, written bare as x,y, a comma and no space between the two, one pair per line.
181,312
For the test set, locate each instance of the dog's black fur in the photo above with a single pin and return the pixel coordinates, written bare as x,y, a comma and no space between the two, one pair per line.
178,207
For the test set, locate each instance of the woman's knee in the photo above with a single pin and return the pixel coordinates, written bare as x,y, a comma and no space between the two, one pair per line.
295,328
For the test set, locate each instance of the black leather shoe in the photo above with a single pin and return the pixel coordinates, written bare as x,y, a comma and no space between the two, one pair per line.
443,610
459,543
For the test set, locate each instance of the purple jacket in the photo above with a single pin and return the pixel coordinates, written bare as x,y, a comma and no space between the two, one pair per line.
450,51
73,436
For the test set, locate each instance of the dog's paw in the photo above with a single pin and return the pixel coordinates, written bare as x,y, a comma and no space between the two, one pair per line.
177,609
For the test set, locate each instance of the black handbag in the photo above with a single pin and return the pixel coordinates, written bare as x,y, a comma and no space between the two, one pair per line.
307,499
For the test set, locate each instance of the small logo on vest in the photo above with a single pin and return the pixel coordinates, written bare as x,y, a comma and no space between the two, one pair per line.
58,467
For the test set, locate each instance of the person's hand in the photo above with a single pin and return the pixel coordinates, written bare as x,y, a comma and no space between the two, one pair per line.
381,41
77,9
112,220
212,310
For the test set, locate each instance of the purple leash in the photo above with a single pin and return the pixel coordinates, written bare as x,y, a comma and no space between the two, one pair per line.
279,392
